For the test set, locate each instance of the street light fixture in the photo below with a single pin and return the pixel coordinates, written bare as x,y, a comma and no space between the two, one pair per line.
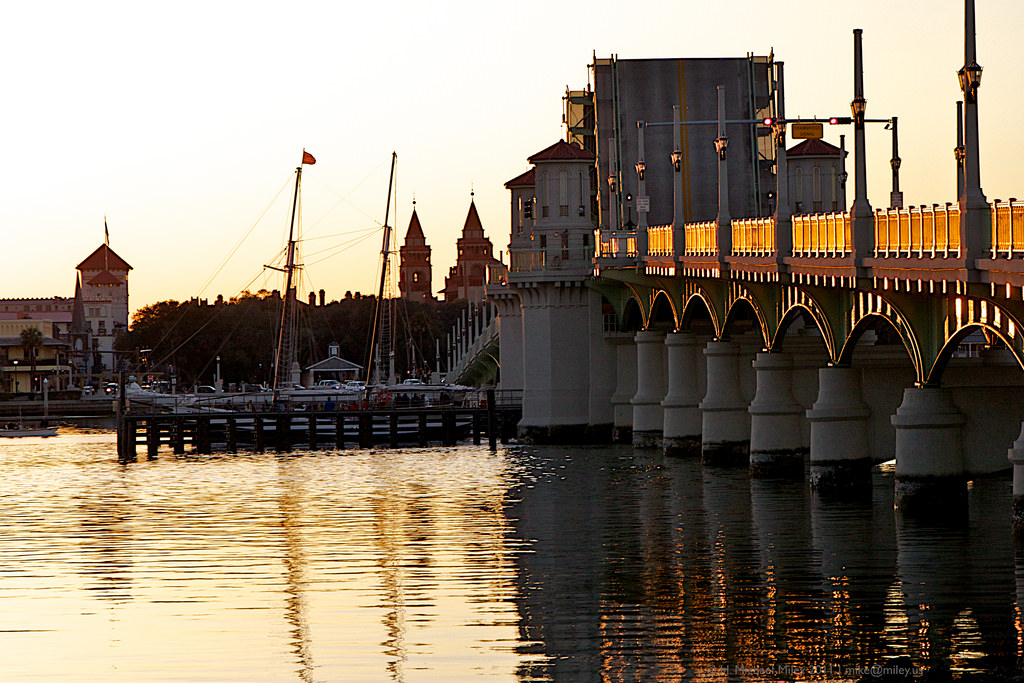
858,106
721,144
677,159
640,167
970,80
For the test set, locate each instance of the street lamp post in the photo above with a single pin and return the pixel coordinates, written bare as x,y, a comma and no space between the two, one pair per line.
15,361
974,209
861,212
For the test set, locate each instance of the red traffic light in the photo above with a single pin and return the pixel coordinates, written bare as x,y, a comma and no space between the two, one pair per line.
768,121
839,119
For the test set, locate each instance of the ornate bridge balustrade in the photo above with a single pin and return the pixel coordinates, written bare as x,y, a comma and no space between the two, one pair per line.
822,235
921,232
1007,229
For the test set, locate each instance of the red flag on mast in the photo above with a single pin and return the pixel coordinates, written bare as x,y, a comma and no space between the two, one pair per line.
307,158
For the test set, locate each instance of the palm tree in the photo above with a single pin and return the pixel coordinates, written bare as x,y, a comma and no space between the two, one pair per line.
31,342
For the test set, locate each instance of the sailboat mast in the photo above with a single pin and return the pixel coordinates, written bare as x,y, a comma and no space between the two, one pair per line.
385,252
285,355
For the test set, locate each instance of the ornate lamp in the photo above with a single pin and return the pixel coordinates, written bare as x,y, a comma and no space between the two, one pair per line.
858,107
677,159
970,80
721,144
640,167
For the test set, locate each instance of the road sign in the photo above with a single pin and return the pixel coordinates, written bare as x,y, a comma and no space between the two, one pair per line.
806,131
643,203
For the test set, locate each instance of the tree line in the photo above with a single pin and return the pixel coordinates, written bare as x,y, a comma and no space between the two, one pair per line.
186,338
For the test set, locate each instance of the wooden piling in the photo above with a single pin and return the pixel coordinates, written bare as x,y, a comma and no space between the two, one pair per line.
366,430
492,421
231,436
152,438
339,431
259,436
311,425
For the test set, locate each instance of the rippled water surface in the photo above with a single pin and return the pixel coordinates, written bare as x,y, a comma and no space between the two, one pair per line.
528,564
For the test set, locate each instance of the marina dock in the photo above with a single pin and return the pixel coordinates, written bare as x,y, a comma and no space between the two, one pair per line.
284,431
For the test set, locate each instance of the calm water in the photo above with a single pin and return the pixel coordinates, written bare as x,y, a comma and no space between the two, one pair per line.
560,564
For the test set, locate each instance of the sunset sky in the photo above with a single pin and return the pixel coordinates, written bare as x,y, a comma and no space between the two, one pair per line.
182,122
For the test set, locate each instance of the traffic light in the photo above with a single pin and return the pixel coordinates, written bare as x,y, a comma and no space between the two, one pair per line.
768,121
835,120
528,209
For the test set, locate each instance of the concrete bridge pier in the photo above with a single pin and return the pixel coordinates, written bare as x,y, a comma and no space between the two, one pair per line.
1016,455
929,453
625,388
840,453
648,415
682,431
725,422
776,437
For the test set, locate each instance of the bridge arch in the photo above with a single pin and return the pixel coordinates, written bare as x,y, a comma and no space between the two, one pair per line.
744,310
869,317
698,311
663,312
633,318
740,299
995,322
811,317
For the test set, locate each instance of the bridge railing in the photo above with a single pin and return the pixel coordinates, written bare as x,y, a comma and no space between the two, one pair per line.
753,236
822,234
701,238
659,240
1007,228
617,244
918,231
550,258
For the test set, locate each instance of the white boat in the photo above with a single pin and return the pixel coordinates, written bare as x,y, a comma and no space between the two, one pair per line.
14,429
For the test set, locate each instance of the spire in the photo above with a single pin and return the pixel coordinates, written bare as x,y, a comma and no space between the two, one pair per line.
78,324
473,224
415,231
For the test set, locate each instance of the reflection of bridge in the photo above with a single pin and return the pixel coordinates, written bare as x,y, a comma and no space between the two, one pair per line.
850,338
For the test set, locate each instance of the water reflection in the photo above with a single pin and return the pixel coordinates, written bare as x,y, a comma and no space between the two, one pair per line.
530,564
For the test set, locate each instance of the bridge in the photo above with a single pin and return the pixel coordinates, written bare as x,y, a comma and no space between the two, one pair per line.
845,338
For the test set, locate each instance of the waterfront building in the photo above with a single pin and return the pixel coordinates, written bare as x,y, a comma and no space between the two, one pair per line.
414,270
22,372
87,323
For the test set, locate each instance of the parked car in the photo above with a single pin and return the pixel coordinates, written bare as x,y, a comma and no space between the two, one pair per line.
328,384
205,389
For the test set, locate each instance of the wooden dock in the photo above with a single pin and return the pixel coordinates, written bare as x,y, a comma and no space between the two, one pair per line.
286,431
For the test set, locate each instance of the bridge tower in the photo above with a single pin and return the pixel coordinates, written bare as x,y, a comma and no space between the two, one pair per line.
560,323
